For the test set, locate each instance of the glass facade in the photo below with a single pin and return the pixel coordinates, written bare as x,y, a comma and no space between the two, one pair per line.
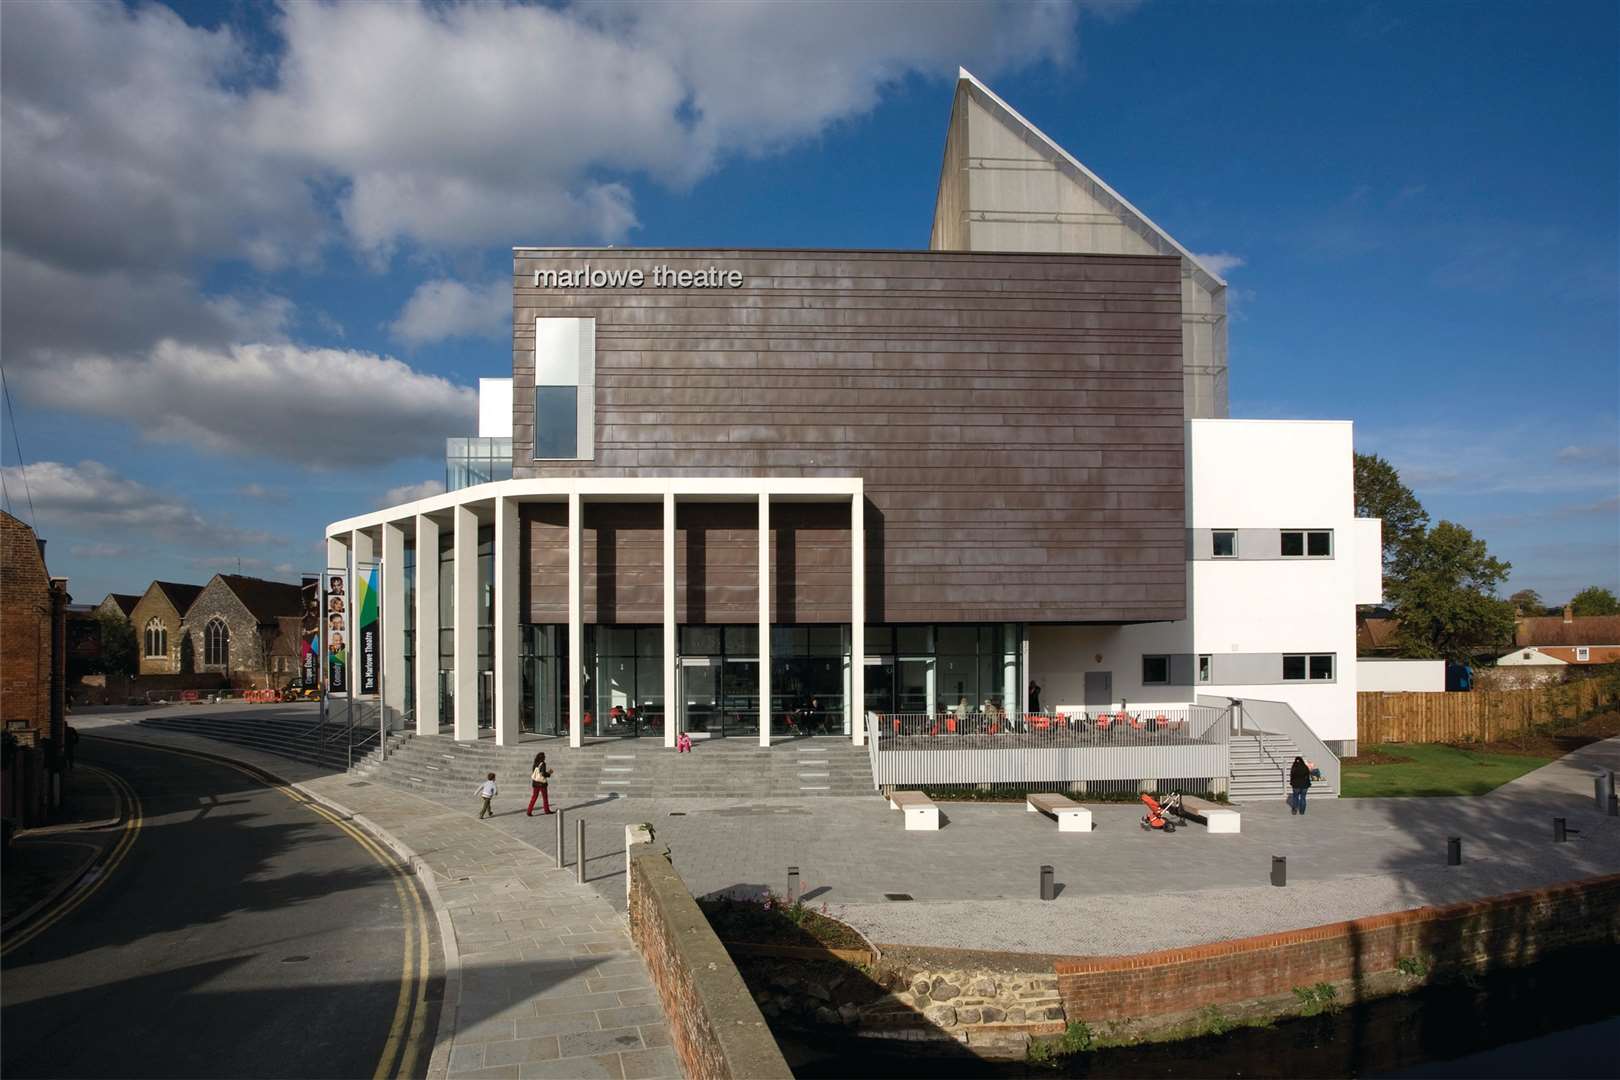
469,461
556,423
410,630
943,667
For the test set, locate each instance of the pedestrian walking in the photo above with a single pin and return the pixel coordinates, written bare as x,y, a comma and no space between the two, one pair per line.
1034,696
1299,779
539,777
486,791
71,744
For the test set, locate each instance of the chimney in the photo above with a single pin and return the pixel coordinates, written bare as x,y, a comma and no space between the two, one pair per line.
1569,614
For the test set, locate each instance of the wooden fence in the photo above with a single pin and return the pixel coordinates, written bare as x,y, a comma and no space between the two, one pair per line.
1477,716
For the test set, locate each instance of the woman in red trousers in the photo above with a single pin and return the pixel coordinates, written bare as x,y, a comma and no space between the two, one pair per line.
539,777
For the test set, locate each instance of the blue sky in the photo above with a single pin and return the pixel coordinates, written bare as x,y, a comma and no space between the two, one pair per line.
218,218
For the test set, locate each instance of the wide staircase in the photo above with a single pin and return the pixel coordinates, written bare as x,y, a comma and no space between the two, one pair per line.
1260,764
295,733
630,768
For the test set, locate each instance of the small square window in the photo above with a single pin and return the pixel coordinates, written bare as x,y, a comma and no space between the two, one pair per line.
1583,652
1307,543
1155,671
1225,544
1318,545
1322,667
1293,669
1205,672
1293,544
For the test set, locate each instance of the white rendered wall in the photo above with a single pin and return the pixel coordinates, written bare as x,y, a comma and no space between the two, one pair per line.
1244,474
494,408
1392,676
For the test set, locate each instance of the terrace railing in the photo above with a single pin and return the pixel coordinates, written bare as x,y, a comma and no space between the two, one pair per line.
1186,742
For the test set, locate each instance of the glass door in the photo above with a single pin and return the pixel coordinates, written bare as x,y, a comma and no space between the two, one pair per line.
739,687
697,696
914,685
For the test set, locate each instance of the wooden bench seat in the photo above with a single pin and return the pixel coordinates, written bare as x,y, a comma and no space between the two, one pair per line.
921,814
1070,815
1213,816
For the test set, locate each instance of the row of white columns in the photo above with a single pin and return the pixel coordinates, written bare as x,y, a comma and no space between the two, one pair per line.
463,523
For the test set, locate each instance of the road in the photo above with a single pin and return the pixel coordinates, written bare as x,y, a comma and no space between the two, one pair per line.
236,930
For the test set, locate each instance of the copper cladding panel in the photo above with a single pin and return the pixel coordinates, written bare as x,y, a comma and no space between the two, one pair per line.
1017,420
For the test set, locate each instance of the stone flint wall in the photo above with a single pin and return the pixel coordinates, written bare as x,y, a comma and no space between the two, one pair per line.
717,1030
1485,935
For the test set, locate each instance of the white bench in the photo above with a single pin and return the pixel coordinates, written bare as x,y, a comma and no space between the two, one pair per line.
920,812
1070,815
1217,819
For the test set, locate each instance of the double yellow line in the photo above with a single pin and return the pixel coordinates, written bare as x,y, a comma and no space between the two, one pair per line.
130,811
403,1048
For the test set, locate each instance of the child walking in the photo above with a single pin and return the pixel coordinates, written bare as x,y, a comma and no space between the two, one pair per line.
486,791
539,779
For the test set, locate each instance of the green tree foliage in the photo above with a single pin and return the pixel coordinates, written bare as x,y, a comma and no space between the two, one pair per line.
1443,588
1528,602
1595,601
1379,493
118,656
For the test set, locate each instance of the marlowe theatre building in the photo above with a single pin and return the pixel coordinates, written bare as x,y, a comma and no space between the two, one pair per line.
756,493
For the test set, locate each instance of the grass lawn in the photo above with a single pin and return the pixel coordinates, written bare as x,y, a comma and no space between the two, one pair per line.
1388,771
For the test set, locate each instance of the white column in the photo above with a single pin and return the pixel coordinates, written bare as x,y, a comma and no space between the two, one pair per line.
507,628
576,626
464,533
857,618
362,548
393,622
427,625
671,702
337,552
764,619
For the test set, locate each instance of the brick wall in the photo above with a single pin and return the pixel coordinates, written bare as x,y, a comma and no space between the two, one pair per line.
25,628
1503,931
716,1029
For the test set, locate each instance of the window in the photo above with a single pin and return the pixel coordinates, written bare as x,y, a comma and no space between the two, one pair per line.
216,643
556,422
1225,543
1307,543
1155,671
1204,668
1583,653
157,639
564,388
1315,667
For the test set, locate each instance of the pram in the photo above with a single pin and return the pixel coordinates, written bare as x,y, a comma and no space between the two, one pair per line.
1158,813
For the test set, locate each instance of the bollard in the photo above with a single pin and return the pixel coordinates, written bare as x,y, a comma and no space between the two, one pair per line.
1614,804
579,851
562,856
1559,831
1454,851
1048,887
793,885
1279,870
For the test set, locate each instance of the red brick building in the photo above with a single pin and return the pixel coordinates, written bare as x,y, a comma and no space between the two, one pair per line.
33,652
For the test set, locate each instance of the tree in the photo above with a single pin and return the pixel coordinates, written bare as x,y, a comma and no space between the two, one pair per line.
1595,600
118,655
1379,493
1528,602
1444,594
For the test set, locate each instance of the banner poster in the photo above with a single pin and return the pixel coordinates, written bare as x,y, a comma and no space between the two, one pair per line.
309,636
367,623
334,629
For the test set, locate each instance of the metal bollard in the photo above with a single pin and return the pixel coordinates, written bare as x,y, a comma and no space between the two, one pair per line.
1454,851
1560,831
1048,886
1279,870
579,851
562,855
1614,804
793,885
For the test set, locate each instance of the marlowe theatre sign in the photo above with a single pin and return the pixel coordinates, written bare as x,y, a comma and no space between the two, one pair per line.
661,277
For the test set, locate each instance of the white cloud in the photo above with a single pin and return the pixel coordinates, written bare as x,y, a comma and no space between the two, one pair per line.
1219,263
411,492
443,309
94,499
262,493
1594,454
318,407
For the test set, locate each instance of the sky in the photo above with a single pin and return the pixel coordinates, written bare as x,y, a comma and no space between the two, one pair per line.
254,258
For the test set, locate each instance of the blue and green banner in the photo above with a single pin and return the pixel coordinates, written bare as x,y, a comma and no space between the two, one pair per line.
367,629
